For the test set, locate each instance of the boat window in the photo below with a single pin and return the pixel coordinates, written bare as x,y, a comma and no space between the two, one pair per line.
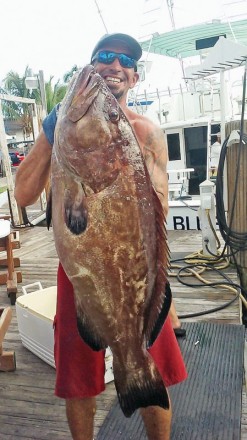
214,130
173,146
196,155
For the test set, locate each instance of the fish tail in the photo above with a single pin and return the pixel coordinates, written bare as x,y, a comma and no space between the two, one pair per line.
142,390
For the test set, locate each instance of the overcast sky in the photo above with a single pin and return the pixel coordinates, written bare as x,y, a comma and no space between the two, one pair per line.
52,35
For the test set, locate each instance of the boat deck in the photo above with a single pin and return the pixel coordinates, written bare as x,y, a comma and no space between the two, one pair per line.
28,408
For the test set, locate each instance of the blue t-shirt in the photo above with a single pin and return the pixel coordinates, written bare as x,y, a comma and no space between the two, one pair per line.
49,124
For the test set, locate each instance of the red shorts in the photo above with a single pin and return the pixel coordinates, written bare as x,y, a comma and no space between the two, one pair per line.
80,370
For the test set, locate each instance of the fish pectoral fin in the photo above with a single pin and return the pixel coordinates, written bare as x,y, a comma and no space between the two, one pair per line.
142,390
76,214
156,320
89,335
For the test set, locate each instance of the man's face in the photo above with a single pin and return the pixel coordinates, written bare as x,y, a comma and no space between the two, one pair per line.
119,79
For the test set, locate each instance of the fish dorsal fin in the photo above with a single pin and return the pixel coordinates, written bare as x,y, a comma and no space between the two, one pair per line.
160,300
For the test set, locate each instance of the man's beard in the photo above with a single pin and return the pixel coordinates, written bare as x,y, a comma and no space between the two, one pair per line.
117,94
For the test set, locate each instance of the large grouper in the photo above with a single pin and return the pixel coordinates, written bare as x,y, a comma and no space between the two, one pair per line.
110,236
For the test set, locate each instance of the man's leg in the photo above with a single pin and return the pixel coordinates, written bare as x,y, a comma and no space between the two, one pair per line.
174,317
176,324
157,422
80,415
79,369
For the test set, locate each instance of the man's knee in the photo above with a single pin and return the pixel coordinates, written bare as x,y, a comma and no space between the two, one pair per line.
81,405
80,414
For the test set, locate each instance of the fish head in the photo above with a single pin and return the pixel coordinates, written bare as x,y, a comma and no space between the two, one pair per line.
89,135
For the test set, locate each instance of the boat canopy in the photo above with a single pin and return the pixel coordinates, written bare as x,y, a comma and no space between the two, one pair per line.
224,55
185,42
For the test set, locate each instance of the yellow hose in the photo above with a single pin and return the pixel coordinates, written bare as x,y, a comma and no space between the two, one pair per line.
197,258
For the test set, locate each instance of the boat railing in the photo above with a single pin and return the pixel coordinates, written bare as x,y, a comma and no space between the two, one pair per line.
206,90
178,182
142,101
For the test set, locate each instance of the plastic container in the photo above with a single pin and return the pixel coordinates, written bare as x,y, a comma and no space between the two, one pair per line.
35,313
4,228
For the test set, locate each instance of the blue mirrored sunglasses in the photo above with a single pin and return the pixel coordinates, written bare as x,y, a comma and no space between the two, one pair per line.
108,57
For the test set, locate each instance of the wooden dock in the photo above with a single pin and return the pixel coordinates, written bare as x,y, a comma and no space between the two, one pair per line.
28,408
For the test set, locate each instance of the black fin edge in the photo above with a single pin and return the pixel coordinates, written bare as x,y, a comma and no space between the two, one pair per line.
162,315
141,397
49,211
97,344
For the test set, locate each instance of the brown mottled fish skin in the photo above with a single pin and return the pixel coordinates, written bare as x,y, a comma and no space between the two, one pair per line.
110,236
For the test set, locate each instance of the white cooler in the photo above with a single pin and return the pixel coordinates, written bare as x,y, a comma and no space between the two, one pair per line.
35,313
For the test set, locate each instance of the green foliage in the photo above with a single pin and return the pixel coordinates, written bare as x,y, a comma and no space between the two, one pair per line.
14,84
55,94
68,75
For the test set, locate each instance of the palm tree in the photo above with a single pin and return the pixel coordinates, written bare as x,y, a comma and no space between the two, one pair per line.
15,85
55,94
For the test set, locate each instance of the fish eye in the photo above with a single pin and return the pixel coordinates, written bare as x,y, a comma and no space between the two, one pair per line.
114,115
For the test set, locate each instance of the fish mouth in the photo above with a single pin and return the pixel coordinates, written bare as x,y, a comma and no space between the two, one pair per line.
90,81
88,86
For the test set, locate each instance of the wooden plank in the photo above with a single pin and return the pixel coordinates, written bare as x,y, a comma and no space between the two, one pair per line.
4,262
5,320
7,361
16,99
237,170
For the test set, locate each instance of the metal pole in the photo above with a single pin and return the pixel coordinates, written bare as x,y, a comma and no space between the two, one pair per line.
101,16
160,117
35,121
43,200
222,105
223,132
42,93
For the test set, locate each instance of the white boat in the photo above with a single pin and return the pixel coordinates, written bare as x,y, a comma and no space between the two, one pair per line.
194,116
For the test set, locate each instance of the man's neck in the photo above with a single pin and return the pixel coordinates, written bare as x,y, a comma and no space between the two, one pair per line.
123,105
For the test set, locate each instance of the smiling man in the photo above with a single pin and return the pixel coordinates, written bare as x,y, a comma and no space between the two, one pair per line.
112,51
79,369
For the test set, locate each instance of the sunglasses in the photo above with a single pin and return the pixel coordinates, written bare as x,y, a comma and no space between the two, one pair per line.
108,57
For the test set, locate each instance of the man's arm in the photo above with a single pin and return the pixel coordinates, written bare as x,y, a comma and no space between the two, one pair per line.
153,145
156,158
33,173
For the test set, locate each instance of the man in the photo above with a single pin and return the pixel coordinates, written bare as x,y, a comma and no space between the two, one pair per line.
80,370
215,150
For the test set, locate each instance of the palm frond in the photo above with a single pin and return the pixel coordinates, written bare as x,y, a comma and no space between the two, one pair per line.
68,75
